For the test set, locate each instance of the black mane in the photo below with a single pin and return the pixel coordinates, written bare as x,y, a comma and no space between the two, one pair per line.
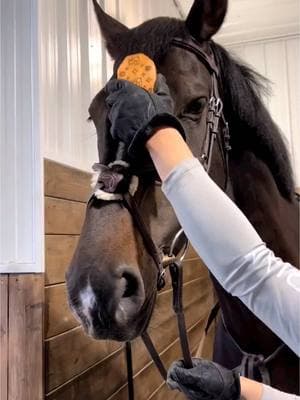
250,123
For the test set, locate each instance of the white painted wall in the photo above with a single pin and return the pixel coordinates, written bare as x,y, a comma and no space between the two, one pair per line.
279,60
249,20
74,67
21,197
266,34
66,78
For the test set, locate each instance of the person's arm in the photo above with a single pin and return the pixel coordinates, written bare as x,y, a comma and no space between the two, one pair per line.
167,149
252,390
225,239
268,393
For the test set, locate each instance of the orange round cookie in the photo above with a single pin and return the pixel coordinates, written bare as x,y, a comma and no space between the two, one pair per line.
138,69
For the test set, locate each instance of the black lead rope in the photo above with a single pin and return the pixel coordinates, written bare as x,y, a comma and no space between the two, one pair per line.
129,371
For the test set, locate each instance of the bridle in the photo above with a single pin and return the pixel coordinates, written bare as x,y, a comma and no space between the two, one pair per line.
217,129
221,135
214,134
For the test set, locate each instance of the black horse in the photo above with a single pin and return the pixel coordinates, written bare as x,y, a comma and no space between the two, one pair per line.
111,282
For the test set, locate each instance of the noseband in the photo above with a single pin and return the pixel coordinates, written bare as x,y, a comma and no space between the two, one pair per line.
107,186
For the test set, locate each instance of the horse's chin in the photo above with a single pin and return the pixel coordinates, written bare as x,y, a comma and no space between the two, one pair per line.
121,335
117,333
123,332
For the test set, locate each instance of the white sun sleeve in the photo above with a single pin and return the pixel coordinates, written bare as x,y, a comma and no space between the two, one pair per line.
234,252
270,393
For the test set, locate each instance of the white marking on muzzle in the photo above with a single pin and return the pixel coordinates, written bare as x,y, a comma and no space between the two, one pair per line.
88,301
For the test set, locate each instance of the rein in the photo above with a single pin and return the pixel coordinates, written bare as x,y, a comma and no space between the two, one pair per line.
175,267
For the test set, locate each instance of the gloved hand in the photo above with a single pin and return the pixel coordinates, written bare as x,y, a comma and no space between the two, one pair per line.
135,114
206,381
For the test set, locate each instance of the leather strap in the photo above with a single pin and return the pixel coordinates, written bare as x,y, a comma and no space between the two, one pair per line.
252,362
177,284
148,242
154,355
193,46
212,316
215,108
130,386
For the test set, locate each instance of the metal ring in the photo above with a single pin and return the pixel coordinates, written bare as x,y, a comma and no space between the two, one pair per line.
175,240
212,102
219,106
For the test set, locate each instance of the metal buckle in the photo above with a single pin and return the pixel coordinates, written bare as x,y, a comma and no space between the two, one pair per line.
161,281
214,114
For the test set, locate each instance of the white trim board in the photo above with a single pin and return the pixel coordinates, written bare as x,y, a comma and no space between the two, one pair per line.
21,165
18,268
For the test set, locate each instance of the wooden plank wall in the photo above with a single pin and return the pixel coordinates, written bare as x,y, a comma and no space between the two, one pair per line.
21,337
3,336
78,367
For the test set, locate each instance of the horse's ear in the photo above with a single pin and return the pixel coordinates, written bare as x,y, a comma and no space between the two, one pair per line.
111,29
206,17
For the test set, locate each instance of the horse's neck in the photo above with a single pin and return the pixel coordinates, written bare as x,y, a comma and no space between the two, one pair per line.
275,218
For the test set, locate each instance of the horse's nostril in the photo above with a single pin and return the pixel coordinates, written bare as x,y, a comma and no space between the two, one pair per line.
131,285
131,295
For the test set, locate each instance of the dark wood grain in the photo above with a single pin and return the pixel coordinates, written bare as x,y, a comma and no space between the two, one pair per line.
59,250
3,336
63,217
66,182
25,378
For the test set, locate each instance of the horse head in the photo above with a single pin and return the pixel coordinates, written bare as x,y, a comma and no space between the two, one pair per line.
112,279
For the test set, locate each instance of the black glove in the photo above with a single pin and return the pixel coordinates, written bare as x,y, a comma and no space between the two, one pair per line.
135,114
205,381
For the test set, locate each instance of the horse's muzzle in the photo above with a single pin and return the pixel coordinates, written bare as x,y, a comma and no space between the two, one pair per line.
108,306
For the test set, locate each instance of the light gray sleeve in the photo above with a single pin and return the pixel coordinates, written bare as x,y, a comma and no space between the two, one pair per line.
273,394
234,252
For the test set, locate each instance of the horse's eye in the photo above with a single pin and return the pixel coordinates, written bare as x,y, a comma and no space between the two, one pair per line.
196,106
